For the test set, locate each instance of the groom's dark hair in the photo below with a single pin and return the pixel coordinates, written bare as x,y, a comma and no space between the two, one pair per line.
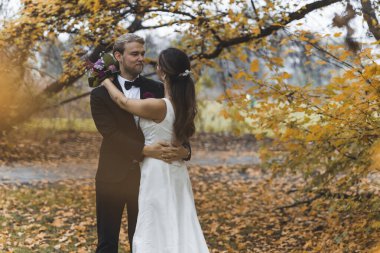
126,38
176,65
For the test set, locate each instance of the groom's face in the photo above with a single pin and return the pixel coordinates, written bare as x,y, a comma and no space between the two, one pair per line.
132,60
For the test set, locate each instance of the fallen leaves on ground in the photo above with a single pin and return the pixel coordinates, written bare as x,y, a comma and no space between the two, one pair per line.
74,146
237,207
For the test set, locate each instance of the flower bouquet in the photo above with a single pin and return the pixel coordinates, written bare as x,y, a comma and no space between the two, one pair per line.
106,66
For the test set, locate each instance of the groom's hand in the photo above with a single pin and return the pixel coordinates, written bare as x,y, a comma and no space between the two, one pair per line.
166,152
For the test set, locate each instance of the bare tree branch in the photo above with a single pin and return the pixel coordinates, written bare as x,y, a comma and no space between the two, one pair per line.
83,95
326,193
257,17
66,101
172,11
371,19
164,24
299,14
42,72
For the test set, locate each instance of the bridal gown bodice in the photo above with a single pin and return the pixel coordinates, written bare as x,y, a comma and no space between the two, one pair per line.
167,221
163,131
160,132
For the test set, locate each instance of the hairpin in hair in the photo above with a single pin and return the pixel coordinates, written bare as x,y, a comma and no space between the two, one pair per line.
186,73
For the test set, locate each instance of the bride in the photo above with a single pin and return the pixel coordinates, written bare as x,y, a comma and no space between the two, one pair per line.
167,221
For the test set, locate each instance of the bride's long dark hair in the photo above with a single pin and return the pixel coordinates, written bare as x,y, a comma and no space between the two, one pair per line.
175,64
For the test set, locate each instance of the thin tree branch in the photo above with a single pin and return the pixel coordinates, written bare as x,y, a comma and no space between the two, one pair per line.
68,100
83,95
171,11
370,17
164,24
300,202
257,17
325,193
42,72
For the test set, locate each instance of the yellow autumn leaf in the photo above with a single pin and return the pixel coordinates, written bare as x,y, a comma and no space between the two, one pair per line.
243,57
255,66
58,222
350,74
286,75
321,62
240,75
278,60
375,156
224,113
256,31
370,70
375,225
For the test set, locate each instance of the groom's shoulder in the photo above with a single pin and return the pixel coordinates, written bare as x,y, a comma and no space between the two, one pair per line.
98,91
152,82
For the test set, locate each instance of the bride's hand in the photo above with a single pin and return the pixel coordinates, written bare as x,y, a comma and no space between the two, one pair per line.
175,152
166,152
161,151
154,151
107,81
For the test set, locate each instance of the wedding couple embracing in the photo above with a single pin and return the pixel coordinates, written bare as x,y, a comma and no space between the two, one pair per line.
146,126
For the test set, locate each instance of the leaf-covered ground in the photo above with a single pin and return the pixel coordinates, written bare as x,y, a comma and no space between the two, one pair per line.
237,206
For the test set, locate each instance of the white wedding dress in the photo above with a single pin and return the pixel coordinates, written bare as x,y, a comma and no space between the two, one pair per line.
167,221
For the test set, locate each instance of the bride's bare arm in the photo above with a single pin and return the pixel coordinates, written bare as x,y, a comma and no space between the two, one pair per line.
149,108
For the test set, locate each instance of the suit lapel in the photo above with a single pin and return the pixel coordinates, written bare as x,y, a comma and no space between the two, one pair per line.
149,87
117,84
142,87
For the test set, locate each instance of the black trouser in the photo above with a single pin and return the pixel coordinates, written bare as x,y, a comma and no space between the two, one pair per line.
111,199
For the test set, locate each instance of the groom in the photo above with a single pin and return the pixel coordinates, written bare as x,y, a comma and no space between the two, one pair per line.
118,174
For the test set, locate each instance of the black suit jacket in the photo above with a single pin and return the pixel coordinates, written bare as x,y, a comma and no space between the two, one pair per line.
123,141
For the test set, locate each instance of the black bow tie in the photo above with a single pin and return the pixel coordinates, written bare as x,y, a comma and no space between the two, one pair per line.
136,83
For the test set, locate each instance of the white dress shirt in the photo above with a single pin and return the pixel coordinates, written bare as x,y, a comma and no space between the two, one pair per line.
133,92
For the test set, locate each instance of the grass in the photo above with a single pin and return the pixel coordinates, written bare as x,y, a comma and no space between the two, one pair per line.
208,120
59,124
